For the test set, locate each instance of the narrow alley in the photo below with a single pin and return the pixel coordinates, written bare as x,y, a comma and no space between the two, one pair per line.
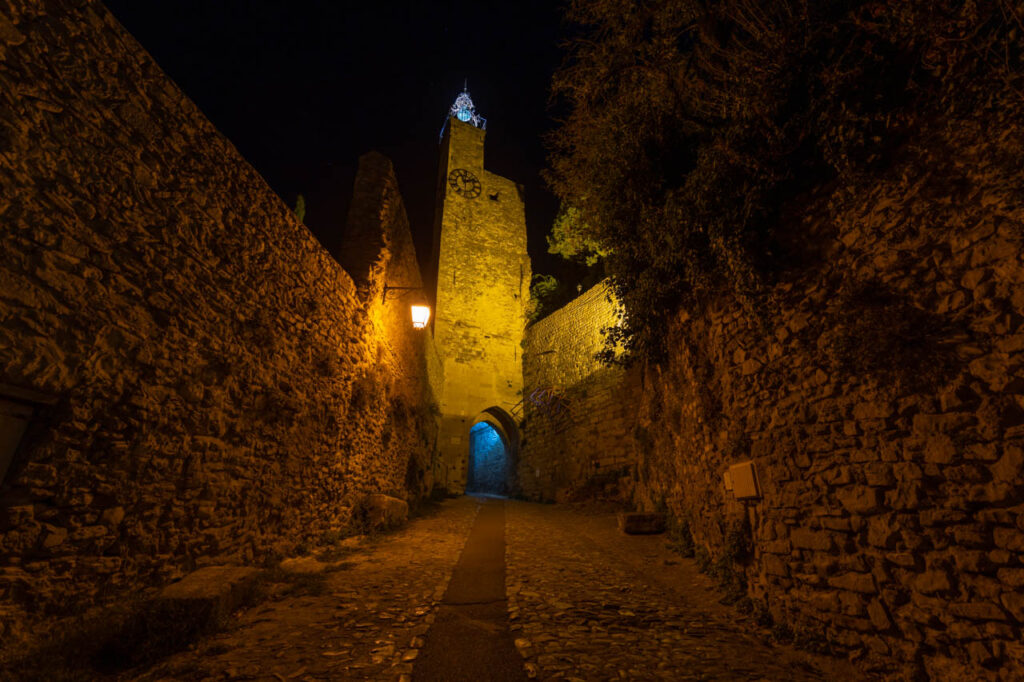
581,601
334,336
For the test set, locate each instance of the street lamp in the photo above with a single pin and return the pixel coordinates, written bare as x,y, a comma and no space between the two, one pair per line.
420,316
420,309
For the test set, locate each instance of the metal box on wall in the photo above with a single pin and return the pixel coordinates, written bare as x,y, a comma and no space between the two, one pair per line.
741,479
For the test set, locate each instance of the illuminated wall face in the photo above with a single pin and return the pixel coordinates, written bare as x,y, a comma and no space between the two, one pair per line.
483,279
488,460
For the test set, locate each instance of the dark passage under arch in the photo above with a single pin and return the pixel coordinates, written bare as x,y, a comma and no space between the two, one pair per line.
488,460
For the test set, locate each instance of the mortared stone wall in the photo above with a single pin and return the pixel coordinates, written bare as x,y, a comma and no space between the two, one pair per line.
483,283
882,403
579,415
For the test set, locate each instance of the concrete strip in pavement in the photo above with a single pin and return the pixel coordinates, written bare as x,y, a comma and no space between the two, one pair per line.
470,638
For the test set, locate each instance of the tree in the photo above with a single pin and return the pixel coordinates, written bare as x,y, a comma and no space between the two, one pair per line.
571,239
542,289
691,127
300,208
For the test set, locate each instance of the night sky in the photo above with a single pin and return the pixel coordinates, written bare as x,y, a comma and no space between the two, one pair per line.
303,88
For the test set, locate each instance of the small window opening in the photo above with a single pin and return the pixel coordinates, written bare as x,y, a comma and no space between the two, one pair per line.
493,195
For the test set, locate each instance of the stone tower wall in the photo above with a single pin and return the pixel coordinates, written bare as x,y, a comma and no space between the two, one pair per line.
482,289
579,415
208,384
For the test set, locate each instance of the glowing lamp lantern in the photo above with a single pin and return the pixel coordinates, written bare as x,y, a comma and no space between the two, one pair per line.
420,308
420,316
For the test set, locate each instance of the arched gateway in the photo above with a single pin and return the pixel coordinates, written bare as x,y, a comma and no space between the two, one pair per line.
493,453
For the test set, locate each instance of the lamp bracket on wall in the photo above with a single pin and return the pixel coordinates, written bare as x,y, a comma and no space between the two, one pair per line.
420,308
404,290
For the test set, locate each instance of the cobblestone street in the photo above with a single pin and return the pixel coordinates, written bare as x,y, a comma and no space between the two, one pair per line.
362,617
585,603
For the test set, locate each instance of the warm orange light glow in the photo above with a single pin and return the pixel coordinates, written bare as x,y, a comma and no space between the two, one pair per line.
420,316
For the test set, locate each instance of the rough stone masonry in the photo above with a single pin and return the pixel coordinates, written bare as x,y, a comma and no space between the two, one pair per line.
204,383
881,402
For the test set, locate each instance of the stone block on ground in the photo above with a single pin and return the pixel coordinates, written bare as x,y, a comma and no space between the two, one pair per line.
385,511
641,523
303,565
198,604
207,596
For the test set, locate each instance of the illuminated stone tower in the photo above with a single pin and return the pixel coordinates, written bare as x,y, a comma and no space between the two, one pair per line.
483,282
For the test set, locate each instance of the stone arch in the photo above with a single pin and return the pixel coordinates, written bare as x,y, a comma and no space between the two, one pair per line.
501,423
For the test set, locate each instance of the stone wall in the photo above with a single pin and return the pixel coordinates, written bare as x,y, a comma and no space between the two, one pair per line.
208,384
579,415
882,404
883,407
377,216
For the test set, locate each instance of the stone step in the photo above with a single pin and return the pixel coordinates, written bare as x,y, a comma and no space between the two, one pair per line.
198,604
208,596
385,512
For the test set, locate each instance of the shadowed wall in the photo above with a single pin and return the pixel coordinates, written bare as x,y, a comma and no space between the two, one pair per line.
210,385
881,401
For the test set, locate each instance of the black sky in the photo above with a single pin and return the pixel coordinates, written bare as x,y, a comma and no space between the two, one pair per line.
303,87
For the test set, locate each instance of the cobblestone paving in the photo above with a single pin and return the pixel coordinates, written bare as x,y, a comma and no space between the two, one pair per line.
365,621
585,603
589,603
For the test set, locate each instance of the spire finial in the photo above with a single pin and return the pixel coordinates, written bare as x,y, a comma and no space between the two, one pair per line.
464,110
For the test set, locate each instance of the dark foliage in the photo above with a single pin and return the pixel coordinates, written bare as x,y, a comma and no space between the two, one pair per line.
728,568
680,537
548,294
542,289
691,127
882,335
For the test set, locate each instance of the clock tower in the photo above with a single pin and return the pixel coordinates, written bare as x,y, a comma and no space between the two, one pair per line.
482,289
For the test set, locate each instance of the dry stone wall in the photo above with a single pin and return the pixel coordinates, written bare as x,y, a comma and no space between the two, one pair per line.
883,407
881,401
579,415
377,216
209,385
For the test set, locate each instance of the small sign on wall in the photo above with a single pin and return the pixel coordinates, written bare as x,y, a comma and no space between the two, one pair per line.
741,479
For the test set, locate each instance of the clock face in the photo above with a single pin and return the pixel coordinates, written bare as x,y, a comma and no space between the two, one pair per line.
464,183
